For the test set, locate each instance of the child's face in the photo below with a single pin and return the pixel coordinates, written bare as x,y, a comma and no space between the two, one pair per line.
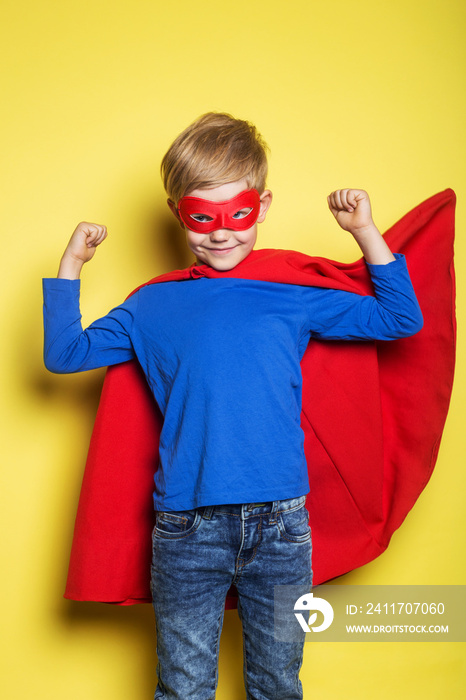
224,248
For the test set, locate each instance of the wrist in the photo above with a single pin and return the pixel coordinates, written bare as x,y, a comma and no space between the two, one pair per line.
70,267
373,245
366,233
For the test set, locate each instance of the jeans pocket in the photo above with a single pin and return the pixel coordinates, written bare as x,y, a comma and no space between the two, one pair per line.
294,525
178,524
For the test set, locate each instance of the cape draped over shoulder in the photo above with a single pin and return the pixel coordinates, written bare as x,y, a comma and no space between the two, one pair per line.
372,413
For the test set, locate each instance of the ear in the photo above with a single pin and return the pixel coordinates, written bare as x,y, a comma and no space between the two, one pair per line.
266,201
175,211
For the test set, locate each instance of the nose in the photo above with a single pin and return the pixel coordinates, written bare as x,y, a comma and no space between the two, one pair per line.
219,235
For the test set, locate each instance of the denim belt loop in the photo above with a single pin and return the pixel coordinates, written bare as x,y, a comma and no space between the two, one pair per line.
274,513
208,510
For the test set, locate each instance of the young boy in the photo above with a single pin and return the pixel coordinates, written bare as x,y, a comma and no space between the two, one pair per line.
222,359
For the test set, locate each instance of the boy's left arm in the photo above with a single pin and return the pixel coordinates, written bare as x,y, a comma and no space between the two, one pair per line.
352,210
393,311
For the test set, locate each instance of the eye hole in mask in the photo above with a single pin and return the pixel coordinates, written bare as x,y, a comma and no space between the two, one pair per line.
204,216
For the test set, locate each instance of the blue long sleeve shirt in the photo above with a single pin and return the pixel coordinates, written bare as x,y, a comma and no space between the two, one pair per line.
222,359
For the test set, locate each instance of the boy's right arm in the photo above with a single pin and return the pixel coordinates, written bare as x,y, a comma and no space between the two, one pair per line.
67,347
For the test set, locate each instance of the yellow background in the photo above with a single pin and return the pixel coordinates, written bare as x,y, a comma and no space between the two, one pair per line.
363,94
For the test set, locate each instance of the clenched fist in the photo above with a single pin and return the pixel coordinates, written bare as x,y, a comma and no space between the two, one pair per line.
351,208
81,248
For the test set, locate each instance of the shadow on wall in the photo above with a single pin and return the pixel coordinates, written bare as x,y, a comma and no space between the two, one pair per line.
166,234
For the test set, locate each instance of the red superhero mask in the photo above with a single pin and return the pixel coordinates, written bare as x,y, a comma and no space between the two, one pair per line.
204,216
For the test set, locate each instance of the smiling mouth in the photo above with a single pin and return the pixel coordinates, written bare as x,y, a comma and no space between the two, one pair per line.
221,251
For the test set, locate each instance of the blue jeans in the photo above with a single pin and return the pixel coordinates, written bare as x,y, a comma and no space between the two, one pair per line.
197,555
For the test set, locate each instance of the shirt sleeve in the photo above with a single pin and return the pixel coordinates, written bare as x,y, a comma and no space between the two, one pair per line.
69,348
393,312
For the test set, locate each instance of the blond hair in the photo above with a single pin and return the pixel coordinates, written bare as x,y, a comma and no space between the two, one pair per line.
215,149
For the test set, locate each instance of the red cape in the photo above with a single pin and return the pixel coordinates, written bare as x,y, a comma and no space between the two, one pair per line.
373,415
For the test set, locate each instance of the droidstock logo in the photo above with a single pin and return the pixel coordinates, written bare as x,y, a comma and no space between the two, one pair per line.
309,603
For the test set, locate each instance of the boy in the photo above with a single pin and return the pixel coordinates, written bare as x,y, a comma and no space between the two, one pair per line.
222,359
